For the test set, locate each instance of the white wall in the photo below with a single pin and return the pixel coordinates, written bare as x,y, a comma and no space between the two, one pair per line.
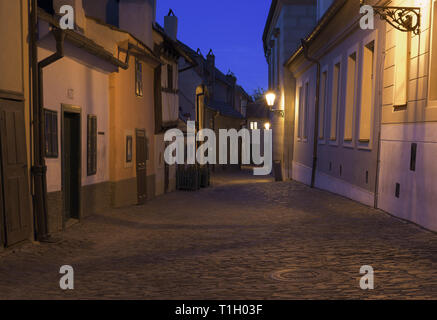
418,189
91,93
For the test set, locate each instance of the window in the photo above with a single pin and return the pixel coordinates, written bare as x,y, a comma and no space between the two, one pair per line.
402,62
433,71
323,101
253,125
129,149
336,89
300,112
170,77
51,133
138,78
91,145
367,85
305,119
350,97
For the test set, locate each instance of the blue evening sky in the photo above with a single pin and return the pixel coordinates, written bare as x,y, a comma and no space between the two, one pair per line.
231,28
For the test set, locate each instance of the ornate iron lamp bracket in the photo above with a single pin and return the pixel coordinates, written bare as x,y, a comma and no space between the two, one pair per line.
405,19
278,112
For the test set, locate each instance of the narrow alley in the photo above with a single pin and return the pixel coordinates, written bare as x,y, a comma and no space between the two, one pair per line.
243,238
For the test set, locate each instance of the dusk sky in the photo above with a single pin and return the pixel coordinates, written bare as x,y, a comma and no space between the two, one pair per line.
231,28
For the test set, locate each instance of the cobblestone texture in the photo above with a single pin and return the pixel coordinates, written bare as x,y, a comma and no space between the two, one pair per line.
242,239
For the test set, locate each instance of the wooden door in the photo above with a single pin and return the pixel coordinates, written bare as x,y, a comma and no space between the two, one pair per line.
141,151
15,184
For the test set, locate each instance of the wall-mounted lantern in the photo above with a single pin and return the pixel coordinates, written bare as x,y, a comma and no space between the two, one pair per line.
405,19
271,100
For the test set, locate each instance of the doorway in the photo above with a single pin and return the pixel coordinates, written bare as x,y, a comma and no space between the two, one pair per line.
15,222
71,162
141,151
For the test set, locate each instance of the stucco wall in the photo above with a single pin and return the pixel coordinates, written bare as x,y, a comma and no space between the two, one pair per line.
70,82
414,123
129,112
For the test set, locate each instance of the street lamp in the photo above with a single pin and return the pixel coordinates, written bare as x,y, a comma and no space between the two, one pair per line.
271,99
267,125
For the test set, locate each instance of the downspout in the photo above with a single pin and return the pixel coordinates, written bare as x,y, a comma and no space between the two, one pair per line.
38,205
317,107
39,170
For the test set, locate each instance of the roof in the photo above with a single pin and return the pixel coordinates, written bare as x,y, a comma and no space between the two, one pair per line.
269,20
257,110
201,60
224,109
175,44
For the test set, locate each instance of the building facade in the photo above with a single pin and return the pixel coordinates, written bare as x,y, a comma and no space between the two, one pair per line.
209,97
363,110
15,125
288,22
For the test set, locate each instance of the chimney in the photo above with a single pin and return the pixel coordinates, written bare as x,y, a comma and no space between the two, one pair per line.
210,60
171,25
210,65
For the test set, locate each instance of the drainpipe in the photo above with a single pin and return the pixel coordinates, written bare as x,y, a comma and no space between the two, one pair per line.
317,107
39,170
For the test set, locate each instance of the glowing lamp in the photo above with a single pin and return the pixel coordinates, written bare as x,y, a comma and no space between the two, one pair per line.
270,97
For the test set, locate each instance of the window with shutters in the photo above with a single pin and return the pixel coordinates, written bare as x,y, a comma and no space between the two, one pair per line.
51,133
92,145
138,78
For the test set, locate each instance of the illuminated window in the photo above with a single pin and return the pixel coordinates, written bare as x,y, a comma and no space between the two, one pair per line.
351,86
305,119
300,112
367,86
401,61
433,71
323,102
336,89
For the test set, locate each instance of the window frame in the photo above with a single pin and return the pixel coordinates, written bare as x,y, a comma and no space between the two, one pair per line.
138,78
324,102
338,86
349,141
92,145
51,142
362,144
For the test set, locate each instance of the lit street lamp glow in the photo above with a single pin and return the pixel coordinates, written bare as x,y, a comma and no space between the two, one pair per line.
267,125
270,97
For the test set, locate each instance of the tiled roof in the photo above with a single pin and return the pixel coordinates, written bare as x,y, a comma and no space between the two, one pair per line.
225,109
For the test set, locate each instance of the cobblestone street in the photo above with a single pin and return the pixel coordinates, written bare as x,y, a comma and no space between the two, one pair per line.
244,238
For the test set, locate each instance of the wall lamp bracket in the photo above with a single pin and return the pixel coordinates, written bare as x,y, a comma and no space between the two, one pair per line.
405,19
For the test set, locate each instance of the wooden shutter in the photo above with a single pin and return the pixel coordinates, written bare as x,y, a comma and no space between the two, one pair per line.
92,145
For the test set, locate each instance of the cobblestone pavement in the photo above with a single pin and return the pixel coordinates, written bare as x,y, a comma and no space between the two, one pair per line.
242,239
